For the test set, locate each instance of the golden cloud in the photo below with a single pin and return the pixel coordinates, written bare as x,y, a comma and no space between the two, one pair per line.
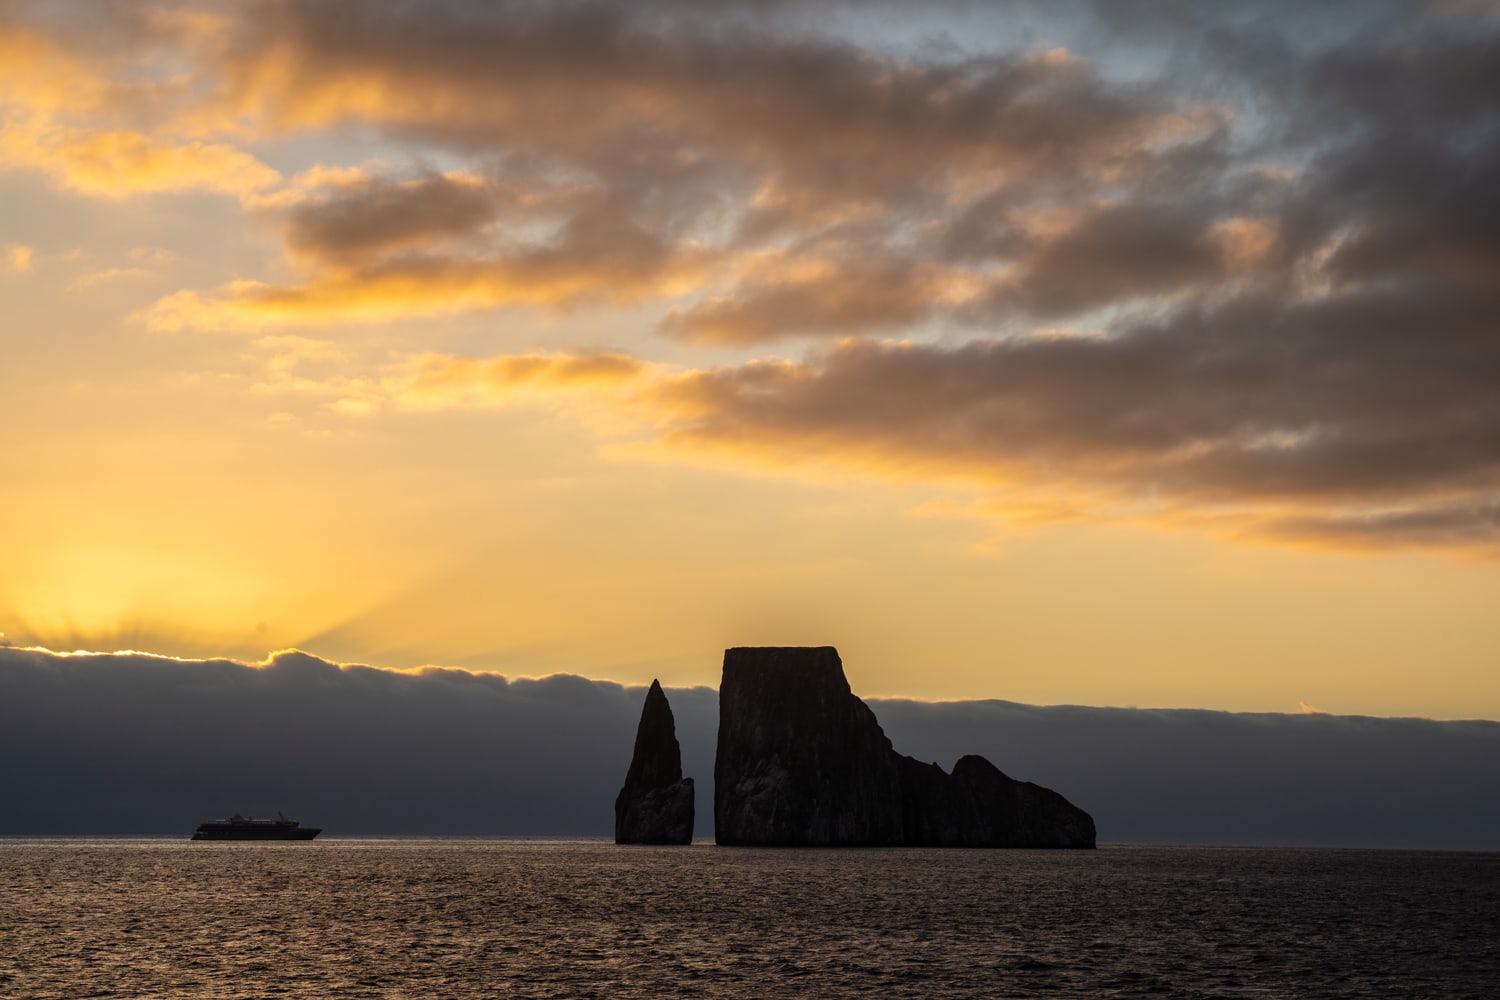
590,383
553,277
38,76
433,381
19,257
1046,428
65,115
118,164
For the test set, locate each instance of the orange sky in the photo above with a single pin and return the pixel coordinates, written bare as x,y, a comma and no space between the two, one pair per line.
1018,355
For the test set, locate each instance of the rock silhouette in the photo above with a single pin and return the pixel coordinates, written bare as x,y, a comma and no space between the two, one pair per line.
801,761
656,804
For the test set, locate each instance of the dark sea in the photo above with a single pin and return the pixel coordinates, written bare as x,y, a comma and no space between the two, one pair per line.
516,918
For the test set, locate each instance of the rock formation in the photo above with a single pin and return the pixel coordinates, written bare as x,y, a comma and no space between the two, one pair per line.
978,805
802,761
656,804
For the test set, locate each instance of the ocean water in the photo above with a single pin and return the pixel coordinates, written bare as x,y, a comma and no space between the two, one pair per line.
497,918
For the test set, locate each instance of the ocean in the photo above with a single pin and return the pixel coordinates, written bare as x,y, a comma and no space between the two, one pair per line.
577,919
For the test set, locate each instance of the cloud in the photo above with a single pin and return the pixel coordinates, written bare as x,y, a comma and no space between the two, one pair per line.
898,188
593,385
849,293
513,75
1314,419
19,257
565,276
1026,182
119,163
1251,420
1463,524
38,73
1118,253
79,110
717,145
131,743
374,216
375,248
1200,266
121,742
109,275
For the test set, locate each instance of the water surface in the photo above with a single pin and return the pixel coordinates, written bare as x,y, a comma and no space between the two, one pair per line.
477,918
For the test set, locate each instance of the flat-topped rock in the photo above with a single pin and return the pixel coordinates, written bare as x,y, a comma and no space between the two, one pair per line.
803,762
656,804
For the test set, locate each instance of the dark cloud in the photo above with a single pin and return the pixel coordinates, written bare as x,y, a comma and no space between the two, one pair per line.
1434,79
847,294
1116,255
1234,256
376,216
687,125
569,78
1328,406
1456,525
1413,209
127,743
738,140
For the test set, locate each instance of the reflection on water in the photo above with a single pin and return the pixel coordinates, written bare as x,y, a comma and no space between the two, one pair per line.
474,918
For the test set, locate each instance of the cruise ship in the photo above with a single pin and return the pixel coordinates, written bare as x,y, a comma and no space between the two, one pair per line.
239,827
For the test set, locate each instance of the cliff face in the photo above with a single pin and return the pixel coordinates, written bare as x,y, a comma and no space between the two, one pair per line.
802,761
656,804
978,805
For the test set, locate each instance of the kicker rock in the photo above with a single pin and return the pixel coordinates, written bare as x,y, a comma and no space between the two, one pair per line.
803,762
656,804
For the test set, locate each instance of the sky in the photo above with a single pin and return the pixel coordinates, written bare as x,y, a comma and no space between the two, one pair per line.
1111,354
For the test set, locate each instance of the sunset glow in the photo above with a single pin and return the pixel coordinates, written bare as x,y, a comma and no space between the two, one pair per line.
1020,354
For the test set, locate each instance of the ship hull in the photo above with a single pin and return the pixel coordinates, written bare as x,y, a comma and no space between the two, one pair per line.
300,833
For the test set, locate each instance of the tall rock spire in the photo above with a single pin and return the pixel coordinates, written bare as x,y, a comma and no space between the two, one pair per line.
656,804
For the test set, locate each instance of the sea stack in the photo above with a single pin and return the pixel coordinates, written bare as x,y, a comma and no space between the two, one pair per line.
800,760
803,762
656,804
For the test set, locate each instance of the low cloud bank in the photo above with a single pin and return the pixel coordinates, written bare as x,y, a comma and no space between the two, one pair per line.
130,743
127,743
1189,776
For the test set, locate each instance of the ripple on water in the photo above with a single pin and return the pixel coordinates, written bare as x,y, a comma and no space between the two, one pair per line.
470,918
